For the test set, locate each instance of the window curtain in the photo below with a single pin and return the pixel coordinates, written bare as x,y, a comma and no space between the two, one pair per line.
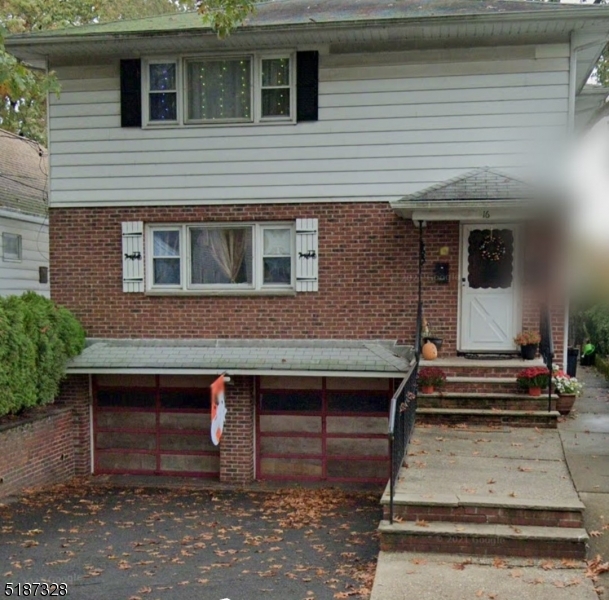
228,248
219,89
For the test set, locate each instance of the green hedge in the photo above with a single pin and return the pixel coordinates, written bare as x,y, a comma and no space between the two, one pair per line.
597,327
37,338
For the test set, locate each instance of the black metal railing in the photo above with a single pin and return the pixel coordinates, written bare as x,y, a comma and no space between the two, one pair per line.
401,424
546,345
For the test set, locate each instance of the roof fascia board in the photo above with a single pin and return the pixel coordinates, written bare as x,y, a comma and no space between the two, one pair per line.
248,372
566,14
19,216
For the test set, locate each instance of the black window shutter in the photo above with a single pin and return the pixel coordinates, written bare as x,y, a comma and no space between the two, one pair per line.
307,69
131,93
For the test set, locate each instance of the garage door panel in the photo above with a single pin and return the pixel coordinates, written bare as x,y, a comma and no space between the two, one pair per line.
354,469
127,441
357,425
156,431
185,421
357,447
186,443
123,461
291,423
126,420
293,445
337,434
292,467
189,464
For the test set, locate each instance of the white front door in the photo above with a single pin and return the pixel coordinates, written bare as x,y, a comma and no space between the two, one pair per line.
489,287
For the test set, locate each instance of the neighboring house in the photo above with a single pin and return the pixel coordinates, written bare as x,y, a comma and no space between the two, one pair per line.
253,206
24,225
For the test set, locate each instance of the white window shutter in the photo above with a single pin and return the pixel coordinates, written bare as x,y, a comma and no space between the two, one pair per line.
133,256
307,255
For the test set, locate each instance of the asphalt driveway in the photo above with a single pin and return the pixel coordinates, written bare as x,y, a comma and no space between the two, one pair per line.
124,544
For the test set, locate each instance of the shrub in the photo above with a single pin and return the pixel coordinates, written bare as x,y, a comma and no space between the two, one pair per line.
36,340
596,321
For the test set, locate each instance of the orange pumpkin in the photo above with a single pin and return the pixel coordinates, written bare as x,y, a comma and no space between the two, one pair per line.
430,352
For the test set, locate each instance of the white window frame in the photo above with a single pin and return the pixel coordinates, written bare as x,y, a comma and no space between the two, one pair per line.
146,91
256,117
150,253
9,256
257,285
292,88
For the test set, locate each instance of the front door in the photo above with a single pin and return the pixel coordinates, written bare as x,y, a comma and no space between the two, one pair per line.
489,282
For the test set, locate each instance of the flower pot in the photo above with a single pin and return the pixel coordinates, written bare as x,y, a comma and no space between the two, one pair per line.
529,351
565,403
427,389
535,391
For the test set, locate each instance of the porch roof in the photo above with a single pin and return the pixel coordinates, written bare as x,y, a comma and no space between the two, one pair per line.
466,196
244,357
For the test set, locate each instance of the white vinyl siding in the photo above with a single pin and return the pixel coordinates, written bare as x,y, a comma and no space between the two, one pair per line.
389,125
21,276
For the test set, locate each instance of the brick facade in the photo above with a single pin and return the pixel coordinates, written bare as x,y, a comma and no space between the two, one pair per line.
366,252
37,451
75,394
237,445
368,275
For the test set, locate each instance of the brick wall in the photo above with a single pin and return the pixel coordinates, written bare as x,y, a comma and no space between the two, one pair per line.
38,451
237,445
368,269
367,253
74,394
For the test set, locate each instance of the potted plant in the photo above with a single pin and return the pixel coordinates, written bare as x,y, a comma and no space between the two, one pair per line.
534,379
568,389
528,342
431,379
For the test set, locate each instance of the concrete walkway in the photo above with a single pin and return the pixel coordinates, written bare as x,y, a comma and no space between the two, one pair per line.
585,438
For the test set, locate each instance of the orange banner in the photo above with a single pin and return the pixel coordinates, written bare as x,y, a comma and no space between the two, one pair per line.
218,410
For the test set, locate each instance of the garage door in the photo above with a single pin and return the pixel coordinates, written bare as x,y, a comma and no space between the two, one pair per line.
153,425
322,429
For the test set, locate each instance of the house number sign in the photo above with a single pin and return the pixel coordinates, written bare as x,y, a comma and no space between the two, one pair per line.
486,214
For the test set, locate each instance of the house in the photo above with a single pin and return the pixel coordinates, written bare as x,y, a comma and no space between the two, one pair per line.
260,206
24,264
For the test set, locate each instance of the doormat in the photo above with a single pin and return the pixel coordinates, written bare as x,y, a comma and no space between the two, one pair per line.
487,356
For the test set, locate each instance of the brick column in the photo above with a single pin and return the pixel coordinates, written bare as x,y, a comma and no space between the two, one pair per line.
237,445
74,393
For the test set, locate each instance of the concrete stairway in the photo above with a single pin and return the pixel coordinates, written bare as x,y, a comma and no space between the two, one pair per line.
485,391
485,492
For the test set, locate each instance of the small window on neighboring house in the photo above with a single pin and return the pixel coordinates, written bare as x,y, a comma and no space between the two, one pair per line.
11,247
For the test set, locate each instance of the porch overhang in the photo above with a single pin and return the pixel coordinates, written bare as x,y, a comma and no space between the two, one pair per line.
318,358
479,195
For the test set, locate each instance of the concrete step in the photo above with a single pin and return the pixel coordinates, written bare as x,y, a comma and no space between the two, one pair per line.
409,507
513,418
489,401
483,539
458,384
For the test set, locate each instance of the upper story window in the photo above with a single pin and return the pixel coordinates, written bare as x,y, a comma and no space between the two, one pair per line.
203,90
11,247
221,257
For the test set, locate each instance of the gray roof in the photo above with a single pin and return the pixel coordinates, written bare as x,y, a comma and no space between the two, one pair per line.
482,184
242,356
23,175
289,13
